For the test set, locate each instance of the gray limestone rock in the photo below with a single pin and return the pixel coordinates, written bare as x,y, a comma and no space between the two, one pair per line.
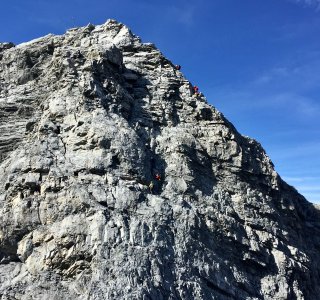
87,119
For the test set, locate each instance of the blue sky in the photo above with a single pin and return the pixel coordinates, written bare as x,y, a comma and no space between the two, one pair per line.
257,61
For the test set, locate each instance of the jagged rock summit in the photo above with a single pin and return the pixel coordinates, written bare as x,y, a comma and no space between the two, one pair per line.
87,119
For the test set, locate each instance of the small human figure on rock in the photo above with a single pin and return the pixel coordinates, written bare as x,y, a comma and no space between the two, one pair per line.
195,89
178,67
197,95
157,177
151,187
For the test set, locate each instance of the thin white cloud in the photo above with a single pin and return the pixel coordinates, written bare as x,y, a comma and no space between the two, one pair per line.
301,105
312,197
294,133
292,75
284,86
185,15
311,3
308,186
251,99
301,179
296,154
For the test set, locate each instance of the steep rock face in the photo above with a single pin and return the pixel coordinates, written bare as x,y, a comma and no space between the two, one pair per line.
87,119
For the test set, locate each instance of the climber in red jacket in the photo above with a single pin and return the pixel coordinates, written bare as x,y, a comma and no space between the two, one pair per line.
157,177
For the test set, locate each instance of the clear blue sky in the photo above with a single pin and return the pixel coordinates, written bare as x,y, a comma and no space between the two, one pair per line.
257,61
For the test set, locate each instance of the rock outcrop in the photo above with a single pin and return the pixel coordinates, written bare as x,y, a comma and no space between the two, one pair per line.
86,120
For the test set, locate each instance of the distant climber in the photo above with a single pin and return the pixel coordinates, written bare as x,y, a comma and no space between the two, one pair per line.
197,95
151,187
178,67
157,177
195,89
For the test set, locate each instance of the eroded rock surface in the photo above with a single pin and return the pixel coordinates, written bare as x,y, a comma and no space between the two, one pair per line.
86,120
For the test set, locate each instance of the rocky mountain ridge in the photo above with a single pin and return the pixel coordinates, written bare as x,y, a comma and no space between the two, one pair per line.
86,120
